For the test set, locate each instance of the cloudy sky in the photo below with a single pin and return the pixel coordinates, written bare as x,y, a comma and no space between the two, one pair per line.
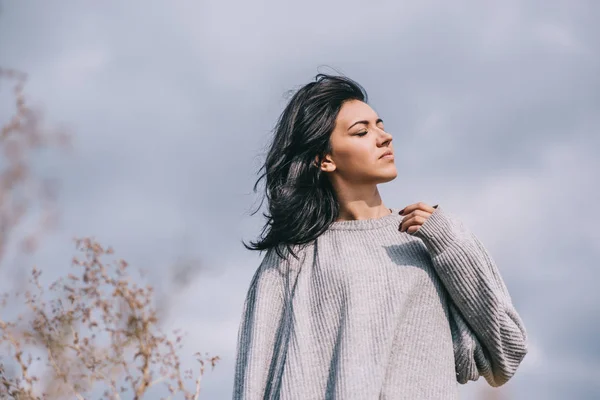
494,107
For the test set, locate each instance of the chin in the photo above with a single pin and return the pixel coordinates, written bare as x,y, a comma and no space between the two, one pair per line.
387,177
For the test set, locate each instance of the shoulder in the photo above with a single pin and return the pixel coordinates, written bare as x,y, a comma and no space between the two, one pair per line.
280,262
272,275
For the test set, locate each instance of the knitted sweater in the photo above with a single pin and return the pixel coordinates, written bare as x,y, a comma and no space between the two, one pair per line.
368,312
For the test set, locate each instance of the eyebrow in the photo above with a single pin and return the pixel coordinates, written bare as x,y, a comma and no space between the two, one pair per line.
364,121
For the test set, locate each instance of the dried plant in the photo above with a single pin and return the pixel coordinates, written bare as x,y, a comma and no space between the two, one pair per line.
92,332
98,329
23,137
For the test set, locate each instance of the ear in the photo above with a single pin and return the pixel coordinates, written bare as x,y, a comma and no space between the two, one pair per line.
326,164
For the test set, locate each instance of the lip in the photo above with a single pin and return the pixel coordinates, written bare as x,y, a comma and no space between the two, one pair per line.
387,154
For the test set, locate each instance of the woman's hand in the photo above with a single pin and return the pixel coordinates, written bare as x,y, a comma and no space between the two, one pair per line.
415,215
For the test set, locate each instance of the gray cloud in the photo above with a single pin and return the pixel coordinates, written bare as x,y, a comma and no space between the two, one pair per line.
494,111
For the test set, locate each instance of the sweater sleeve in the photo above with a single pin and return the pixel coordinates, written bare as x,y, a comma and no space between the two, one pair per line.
488,335
259,331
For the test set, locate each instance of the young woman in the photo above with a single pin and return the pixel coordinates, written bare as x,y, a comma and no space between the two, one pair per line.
355,300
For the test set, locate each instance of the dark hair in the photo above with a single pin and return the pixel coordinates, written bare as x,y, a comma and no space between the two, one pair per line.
301,200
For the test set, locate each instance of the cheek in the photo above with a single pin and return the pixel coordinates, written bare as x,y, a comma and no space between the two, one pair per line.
357,155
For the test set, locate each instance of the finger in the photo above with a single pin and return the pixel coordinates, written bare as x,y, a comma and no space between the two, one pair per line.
408,209
417,206
412,220
413,229
406,223
416,213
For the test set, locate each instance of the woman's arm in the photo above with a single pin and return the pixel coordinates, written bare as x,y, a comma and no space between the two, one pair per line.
259,331
489,336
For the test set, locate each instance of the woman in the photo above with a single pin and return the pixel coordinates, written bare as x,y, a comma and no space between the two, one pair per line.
355,300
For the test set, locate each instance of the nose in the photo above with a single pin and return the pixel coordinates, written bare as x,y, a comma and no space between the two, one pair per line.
384,138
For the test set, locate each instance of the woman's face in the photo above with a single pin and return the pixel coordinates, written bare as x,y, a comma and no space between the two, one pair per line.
358,144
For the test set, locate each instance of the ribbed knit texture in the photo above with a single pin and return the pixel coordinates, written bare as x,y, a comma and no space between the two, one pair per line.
368,312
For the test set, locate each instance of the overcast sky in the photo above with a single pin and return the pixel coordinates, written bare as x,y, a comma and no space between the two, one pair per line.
494,107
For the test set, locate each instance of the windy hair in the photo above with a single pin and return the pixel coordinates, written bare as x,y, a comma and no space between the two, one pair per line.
301,200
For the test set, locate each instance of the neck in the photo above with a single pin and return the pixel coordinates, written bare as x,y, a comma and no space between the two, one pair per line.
360,202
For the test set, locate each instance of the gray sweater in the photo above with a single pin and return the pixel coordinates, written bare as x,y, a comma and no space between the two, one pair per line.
368,312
